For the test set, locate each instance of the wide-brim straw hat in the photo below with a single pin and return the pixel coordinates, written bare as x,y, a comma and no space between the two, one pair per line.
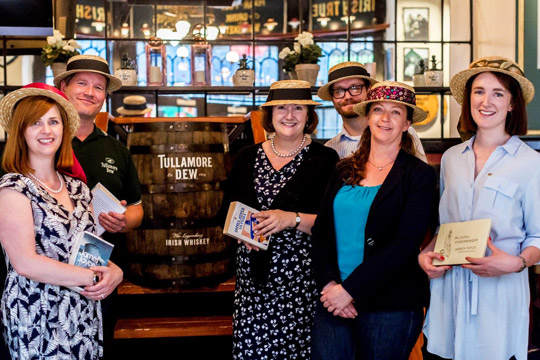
9,103
89,63
345,70
392,91
285,92
133,105
491,64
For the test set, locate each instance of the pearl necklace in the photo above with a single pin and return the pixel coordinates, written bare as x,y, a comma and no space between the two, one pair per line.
291,153
45,185
380,167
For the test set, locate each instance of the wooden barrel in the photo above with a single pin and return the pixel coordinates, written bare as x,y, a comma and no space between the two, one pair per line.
181,167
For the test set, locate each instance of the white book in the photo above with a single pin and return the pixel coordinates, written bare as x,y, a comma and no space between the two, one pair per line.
89,250
240,222
105,201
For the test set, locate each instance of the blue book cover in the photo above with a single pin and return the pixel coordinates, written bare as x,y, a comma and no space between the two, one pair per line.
90,250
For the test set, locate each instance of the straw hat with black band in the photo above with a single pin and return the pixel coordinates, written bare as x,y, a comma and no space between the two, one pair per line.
392,91
89,63
491,64
345,70
285,92
9,103
133,105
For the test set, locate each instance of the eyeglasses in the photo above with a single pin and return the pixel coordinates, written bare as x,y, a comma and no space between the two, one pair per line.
354,90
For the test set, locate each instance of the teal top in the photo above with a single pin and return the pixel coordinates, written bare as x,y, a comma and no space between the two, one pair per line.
351,209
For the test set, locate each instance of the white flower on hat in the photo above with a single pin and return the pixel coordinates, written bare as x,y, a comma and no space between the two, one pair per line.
284,53
304,39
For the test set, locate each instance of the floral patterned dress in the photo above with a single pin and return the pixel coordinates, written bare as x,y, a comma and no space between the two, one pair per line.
273,317
43,321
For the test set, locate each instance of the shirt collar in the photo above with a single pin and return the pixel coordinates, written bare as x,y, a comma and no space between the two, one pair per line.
511,146
344,134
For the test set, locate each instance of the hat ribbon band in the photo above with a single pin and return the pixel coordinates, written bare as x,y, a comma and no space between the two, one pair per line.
134,107
85,64
289,94
498,64
347,71
397,93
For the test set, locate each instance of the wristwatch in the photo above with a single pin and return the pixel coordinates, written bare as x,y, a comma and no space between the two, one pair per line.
297,219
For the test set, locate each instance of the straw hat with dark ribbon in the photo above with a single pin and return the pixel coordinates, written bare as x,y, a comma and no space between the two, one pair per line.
9,103
89,63
133,105
492,64
345,70
290,92
392,91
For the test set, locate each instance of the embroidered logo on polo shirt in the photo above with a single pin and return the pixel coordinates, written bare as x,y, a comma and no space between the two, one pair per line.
108,165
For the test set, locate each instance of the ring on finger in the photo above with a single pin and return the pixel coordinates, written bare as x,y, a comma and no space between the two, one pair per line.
102,296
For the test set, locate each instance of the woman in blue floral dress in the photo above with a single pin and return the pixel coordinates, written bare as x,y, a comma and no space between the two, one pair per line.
42,211
285,178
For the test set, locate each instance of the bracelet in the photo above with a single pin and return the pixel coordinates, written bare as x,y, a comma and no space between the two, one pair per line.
523,264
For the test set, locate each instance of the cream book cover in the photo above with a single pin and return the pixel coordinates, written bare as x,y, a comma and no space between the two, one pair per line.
459,240
239,224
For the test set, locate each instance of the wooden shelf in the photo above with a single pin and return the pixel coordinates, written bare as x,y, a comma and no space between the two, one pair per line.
173,327
129,288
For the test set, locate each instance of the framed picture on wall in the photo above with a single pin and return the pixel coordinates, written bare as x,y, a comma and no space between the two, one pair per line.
411,56
416,23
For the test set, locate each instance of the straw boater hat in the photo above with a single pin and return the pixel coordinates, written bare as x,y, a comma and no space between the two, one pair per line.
392,91
133,105
346,70
290,92
9,103
493,64
89,63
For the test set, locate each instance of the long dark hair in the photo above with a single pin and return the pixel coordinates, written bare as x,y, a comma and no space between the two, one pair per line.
352,169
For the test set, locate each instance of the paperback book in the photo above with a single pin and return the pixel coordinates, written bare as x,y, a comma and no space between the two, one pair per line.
240,222
104,201
90,250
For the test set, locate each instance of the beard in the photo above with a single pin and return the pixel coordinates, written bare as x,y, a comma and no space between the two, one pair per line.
347,113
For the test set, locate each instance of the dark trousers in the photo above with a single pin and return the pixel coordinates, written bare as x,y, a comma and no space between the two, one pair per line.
110,316
381,335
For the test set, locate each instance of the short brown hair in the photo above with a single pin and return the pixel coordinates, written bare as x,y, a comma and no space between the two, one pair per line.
311,124
27,111
516,120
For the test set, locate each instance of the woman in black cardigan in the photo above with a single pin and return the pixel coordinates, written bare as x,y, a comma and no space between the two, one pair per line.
376,212
285,178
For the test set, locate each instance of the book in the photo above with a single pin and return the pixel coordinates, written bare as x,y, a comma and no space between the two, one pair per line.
459,240
239,224
89,250
104,201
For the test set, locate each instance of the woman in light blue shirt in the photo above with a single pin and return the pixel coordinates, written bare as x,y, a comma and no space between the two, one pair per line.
481,310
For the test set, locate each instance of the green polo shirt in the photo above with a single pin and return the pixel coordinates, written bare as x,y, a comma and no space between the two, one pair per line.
108,161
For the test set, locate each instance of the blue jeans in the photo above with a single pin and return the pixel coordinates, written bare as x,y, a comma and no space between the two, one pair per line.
384,335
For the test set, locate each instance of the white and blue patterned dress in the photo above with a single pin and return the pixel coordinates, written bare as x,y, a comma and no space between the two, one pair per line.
43,321
273,317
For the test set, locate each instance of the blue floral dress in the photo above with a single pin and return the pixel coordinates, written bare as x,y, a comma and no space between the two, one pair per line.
273,317
43,321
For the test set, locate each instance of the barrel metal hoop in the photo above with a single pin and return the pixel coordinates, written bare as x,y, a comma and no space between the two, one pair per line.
178,148
181,187
174,223
179,126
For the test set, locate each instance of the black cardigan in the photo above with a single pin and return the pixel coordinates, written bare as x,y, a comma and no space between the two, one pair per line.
401,214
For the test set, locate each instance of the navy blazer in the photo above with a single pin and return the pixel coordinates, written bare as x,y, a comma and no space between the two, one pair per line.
402,213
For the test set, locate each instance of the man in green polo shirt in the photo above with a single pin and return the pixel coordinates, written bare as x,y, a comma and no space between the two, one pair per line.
86,82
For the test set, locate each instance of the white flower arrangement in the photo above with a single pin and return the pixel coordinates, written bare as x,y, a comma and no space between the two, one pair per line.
305,51
58,49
